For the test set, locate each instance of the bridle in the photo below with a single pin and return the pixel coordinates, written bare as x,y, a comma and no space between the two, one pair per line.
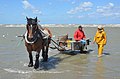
32,28
31,34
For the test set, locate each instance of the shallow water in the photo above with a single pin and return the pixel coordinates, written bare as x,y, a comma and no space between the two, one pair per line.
14,57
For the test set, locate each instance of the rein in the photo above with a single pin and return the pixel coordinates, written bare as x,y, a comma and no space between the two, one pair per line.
34,39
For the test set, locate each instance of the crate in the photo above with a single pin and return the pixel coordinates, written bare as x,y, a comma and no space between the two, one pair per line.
76,46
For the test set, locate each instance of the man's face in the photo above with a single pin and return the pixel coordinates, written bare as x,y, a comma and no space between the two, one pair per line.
100,30
80,29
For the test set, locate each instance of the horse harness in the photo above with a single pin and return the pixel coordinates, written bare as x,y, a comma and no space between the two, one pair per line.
37,35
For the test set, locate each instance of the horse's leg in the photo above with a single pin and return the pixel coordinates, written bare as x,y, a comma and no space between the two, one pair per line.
47,49
31,59
45,53
37,60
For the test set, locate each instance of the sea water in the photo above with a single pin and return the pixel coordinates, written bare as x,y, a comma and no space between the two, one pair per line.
14,57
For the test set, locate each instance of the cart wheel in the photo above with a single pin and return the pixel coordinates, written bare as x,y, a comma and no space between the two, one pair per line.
82,48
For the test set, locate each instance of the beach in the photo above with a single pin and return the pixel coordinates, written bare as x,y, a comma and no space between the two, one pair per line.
14,57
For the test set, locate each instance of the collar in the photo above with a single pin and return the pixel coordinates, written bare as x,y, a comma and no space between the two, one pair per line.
26,39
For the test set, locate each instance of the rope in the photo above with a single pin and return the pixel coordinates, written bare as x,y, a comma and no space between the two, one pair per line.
19,43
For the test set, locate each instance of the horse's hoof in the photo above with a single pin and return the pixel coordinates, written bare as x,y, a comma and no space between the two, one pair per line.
44,60
36,64
30,65
36,67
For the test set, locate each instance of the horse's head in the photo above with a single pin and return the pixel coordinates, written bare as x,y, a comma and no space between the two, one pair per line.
31,27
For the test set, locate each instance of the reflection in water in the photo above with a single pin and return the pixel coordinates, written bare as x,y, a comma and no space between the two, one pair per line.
99,69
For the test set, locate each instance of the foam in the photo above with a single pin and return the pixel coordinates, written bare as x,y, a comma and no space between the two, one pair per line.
10,70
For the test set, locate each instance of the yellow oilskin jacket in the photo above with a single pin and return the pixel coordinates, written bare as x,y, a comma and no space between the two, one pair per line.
100,37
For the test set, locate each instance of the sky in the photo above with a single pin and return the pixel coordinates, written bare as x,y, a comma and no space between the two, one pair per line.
60,11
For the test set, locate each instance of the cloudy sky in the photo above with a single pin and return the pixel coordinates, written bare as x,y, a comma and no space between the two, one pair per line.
60,11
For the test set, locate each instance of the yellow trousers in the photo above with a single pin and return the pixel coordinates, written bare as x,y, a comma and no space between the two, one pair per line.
100,49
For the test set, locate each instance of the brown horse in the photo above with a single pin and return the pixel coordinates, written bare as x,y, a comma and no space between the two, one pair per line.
34,42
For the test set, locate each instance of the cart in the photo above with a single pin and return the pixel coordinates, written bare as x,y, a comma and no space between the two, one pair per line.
67,45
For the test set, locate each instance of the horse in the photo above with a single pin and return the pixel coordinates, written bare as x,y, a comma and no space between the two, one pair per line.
34,41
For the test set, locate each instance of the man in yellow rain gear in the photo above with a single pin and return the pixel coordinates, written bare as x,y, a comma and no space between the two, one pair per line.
100,39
